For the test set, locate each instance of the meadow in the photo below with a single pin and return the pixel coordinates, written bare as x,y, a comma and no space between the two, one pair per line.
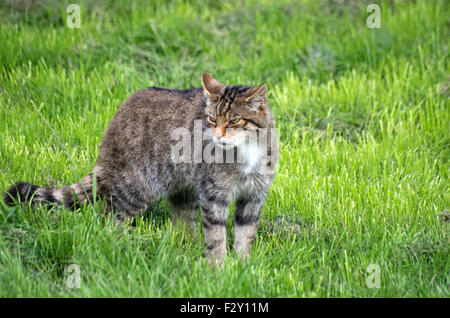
360,206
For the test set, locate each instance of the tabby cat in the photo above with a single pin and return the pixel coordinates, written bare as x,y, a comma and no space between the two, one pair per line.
137,163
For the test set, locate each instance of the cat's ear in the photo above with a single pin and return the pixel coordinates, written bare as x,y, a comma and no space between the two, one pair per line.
256,96
211,86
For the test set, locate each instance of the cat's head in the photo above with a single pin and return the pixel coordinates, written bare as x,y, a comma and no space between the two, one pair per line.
234,112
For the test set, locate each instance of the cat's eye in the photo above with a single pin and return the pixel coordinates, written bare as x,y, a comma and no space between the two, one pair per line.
234,122
211,119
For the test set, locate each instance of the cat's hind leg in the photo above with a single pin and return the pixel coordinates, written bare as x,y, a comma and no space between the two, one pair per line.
185,209
185,215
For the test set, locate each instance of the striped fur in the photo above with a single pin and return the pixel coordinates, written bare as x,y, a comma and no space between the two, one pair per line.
134,166
70,196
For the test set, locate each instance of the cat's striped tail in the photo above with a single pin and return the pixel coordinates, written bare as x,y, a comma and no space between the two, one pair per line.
70,196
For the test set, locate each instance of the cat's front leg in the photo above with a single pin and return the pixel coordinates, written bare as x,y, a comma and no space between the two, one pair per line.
214,216
246,224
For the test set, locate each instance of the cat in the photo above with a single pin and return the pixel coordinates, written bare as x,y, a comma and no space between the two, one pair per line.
137,163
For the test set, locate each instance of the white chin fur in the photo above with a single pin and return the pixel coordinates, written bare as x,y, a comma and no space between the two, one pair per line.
251,152
224,144
252,156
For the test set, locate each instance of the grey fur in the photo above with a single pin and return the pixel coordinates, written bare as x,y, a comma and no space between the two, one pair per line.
134,166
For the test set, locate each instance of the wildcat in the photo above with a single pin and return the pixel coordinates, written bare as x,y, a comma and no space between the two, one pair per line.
136,164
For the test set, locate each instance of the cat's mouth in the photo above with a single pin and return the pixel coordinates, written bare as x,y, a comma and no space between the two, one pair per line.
224,143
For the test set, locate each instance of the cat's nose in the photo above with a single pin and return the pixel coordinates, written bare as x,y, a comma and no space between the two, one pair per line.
219,132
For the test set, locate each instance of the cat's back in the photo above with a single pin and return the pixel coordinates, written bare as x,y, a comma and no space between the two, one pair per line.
161,106
153,112
161,99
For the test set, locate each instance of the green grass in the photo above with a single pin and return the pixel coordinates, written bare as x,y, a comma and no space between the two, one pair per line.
363,116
